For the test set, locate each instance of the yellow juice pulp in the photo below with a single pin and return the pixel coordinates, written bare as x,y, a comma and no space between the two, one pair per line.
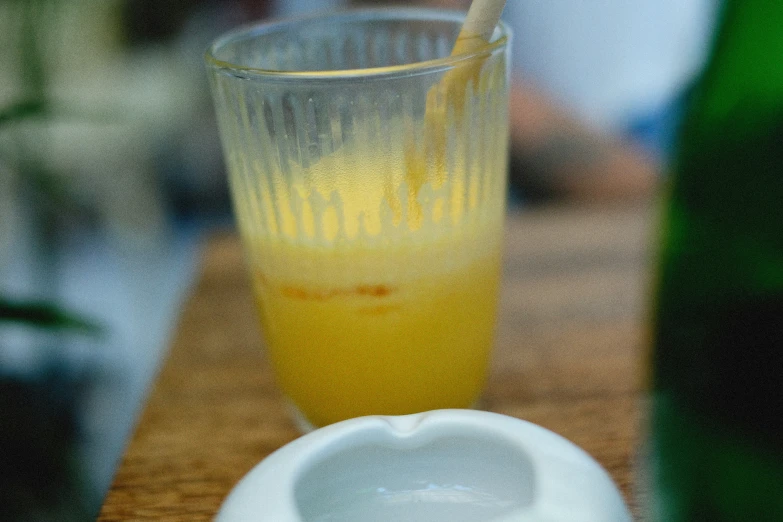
380,312
403,344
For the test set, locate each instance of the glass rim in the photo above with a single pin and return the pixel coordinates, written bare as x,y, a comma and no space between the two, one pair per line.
410,13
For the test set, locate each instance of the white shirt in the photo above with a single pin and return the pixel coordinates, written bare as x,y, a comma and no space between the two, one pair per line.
610,60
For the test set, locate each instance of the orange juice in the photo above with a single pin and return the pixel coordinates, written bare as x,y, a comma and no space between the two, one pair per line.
401,341
376,263
368,176
377,280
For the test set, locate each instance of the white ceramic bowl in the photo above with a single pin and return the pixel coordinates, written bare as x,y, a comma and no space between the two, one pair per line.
440,466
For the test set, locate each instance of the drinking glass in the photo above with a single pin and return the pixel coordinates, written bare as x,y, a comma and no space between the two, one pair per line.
368,174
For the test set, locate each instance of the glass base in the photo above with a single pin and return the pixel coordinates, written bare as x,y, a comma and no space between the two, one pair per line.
300,421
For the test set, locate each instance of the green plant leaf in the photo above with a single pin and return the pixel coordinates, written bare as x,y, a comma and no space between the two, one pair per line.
44,315
21,110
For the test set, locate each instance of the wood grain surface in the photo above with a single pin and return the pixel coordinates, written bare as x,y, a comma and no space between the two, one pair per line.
569,357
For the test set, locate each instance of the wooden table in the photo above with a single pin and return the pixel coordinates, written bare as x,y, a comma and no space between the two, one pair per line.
568,357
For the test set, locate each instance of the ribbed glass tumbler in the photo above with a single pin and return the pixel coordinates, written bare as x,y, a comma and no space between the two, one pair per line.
368,175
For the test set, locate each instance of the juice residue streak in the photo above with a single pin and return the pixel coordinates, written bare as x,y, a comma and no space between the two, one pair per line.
445,107
377,274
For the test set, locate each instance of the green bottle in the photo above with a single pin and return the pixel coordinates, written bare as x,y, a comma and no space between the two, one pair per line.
717,362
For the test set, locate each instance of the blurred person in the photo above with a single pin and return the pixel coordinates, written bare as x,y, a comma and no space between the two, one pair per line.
592,103
598,89
595,92
595,88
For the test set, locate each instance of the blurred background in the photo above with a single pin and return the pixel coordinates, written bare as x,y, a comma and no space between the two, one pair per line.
111,176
